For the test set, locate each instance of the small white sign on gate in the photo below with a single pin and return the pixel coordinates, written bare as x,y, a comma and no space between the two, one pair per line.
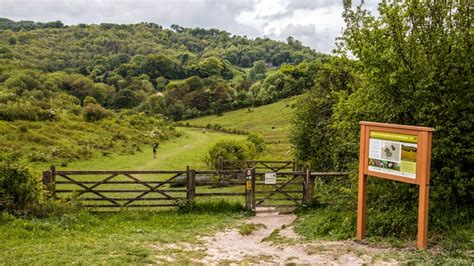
270,179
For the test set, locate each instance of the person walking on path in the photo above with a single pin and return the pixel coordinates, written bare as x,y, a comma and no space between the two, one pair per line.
155,147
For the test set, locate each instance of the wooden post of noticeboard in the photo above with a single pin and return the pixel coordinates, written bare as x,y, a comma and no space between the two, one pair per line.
395,152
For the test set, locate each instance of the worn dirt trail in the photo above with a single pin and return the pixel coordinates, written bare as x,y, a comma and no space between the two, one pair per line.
276,244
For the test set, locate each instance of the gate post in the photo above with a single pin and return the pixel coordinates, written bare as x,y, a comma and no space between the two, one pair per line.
49,180
309,191
305,186
252,192
190,184
250,189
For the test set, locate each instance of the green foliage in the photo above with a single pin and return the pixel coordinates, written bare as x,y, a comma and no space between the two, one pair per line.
121,66
413,68
257,141
28,25
19,189
71,137
94,112
248,229
229,150
24,110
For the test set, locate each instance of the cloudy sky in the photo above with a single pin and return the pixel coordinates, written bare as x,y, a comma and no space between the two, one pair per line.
314,22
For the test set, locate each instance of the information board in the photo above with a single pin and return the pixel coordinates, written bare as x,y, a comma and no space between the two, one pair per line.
395,152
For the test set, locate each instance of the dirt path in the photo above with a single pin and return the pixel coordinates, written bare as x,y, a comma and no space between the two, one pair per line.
275,243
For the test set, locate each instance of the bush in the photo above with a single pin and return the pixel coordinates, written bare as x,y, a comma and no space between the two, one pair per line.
256,140
23,110
18,188
94,112
229,150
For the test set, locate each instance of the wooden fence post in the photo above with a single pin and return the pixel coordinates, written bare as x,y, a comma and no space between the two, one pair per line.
252,192
47,180
247,190
250,189
309,193
190,184
305,186
51,180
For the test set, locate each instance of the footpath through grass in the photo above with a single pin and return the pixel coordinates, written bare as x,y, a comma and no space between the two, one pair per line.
174,154
272,121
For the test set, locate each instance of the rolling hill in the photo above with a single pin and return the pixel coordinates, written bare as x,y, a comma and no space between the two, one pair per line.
272,121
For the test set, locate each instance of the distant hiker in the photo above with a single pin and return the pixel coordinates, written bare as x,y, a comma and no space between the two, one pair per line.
155,147
203,131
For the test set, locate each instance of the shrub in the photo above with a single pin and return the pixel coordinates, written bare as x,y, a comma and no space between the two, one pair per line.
18,188
257,141
89,100
23,110
229,150
94,112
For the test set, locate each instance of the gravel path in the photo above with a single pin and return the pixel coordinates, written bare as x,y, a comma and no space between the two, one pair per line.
275,243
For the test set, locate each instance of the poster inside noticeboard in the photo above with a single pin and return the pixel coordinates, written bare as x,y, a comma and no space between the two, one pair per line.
393,153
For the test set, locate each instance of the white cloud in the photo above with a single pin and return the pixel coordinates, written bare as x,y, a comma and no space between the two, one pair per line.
320,21
315,22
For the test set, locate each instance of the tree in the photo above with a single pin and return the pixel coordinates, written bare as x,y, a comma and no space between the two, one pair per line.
258,70
126,98
415,62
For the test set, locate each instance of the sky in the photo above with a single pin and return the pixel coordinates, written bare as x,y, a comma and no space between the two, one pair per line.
316,23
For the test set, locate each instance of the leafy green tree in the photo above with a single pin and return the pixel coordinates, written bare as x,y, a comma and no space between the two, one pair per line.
161,83
126,98
257,72
414,61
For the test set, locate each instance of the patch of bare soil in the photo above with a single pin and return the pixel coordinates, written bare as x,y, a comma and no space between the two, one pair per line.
277,243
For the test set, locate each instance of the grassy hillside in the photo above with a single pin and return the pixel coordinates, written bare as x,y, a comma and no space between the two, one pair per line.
173,154
272,121
71,138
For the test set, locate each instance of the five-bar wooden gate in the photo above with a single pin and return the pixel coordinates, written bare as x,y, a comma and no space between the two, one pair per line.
141,189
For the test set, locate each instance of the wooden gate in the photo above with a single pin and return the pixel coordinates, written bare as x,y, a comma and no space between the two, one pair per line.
102,190
286,189
118,189
259,165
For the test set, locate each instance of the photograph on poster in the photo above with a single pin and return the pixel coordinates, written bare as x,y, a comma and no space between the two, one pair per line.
393,153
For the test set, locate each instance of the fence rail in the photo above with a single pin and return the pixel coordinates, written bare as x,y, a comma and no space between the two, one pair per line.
264,165
144,189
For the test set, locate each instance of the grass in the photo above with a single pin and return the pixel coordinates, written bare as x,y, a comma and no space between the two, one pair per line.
454,247
272,121
71,138
104,238
248,229
174,154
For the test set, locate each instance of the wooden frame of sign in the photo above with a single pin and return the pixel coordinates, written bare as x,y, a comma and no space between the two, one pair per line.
395,152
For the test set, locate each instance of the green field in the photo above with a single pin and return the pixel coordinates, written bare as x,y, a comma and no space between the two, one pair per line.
174,154
272,121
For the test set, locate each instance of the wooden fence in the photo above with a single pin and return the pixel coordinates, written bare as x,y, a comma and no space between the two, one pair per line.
259,165
102,190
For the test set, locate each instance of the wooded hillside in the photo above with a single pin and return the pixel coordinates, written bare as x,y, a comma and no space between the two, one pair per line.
141,66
